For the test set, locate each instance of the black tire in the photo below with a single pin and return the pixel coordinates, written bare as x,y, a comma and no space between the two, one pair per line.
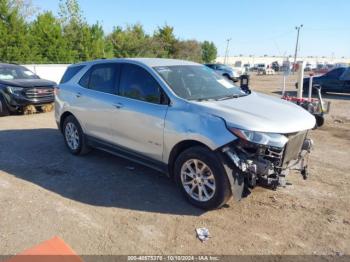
223,190
4,111
82,147
319,120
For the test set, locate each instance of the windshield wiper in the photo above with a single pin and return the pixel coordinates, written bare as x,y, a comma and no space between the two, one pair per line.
227,97
204,99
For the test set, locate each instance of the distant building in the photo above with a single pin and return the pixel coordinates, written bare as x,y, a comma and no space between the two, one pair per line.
240,61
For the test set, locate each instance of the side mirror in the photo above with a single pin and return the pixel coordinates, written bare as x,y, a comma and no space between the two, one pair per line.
245,83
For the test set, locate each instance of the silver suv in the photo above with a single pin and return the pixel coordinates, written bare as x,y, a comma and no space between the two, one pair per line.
185,120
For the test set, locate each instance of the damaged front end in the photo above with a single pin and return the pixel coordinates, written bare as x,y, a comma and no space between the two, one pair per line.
266,159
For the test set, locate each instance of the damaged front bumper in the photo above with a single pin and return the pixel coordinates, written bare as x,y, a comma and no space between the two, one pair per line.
267,165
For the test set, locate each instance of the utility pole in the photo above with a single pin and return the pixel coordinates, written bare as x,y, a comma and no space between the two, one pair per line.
226,53
296,47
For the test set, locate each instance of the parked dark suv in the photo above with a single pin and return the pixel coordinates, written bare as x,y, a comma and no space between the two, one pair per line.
20,87
336,80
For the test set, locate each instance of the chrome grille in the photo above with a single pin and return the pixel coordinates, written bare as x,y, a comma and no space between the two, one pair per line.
40,93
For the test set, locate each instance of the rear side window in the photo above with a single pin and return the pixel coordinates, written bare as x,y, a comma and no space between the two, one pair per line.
336,73
101,78
70,73
138,84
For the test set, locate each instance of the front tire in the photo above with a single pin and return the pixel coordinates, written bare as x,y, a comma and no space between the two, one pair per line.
202,179
74,137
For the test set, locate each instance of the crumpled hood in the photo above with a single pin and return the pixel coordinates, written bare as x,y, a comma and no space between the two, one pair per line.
259,112
28,83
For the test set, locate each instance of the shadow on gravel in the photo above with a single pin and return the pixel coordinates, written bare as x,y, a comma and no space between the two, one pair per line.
40,157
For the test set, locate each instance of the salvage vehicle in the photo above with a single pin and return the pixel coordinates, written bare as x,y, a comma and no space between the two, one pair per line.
225,71
183,119
336,80
21,90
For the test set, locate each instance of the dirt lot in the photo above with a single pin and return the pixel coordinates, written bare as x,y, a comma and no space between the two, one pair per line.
98,205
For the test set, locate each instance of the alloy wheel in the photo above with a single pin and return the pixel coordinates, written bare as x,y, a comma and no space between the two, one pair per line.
72,136
198,180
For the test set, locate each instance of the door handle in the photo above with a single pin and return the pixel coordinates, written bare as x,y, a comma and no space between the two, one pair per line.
118,105
78,94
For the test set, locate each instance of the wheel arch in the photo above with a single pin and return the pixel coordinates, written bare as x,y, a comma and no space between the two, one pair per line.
63,118
178,149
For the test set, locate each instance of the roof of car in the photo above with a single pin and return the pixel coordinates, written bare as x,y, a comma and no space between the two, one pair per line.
151,62
9,65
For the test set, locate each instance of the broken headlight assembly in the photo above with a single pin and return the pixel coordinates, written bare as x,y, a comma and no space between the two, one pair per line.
268,157
260,138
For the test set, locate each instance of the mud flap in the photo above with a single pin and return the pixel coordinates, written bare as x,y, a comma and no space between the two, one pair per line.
236,179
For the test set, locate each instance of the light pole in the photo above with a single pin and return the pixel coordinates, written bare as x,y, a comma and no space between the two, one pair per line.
296,47
226,53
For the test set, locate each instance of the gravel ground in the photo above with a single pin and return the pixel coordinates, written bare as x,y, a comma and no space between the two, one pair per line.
101,204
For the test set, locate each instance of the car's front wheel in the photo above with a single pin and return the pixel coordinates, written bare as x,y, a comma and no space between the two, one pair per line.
202,179
74,137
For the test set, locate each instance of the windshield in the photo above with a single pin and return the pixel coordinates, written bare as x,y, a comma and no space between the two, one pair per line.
198,82
16,72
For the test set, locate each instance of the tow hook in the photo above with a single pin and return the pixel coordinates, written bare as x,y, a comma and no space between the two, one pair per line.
305,173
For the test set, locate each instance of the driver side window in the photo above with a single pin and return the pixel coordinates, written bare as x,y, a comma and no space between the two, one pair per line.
137,83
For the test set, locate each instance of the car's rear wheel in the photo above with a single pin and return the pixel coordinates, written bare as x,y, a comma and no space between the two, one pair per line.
202,179
74,137
3,107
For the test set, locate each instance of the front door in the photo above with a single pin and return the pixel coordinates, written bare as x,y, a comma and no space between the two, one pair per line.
138,123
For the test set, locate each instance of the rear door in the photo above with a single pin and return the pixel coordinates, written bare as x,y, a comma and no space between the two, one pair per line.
95,100
142,106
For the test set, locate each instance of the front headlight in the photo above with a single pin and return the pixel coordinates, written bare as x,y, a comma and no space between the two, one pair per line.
14,90
267,139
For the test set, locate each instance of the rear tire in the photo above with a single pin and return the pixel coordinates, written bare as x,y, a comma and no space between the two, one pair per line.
4,111
74,137
202,178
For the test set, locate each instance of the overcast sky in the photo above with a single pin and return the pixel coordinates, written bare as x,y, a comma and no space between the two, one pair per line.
256,27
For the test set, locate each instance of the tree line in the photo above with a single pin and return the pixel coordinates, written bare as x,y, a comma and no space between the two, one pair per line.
30,37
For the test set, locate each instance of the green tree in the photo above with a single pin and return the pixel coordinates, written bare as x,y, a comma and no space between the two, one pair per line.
96,42
47,41
209,52
68,38
69,12
130,42
76,31
189,50
164,38
25,8
14,45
